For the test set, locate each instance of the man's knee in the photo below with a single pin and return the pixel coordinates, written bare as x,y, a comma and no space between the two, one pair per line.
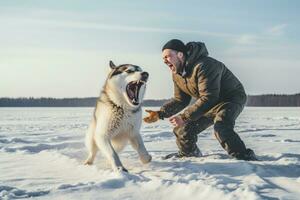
186,139
185,132
180,131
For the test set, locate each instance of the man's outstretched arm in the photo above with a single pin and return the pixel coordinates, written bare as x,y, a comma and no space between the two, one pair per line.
170,108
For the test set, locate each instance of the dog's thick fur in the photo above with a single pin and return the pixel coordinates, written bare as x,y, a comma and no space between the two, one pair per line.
117,116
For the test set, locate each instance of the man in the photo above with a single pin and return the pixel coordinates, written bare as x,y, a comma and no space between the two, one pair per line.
220,98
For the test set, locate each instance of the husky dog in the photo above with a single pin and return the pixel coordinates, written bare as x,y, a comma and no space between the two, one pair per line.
117,116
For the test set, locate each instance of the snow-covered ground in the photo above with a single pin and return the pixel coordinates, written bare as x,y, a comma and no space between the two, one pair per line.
42,151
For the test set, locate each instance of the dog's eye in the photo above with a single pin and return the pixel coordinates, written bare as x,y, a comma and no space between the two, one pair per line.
129,71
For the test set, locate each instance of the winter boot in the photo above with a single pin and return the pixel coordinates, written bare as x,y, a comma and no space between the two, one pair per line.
180,154
249,155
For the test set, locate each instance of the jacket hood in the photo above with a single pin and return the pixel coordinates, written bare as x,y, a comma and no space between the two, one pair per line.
195,50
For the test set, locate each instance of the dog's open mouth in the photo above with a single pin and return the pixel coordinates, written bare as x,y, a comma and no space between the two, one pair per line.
133,90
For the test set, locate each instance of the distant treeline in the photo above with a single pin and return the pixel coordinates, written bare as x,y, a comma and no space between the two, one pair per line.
253,100
276,100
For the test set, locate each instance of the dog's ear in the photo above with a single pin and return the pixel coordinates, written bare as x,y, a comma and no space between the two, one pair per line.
112,65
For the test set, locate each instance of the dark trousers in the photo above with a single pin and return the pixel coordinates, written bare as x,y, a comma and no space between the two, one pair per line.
223,117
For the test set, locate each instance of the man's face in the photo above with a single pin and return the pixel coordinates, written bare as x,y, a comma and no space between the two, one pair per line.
174,60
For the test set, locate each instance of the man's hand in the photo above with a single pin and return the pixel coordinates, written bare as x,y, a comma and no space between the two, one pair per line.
177,121
153,116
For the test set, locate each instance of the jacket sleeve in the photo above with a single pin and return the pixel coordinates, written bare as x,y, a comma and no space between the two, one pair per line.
209,83
176,104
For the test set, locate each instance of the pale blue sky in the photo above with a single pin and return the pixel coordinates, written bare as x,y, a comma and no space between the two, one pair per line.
61,48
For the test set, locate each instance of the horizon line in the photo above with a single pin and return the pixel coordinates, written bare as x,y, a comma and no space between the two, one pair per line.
144,99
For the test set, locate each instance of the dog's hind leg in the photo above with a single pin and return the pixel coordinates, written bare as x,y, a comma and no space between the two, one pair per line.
90,143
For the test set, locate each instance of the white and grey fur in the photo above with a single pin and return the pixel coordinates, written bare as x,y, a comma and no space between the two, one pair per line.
117,116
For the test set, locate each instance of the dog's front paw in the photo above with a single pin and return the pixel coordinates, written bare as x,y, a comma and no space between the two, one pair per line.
146,158
88,162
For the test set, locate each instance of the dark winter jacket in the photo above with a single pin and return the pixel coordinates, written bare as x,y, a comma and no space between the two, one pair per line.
207,80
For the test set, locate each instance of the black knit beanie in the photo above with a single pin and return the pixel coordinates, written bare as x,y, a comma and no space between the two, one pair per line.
176,45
